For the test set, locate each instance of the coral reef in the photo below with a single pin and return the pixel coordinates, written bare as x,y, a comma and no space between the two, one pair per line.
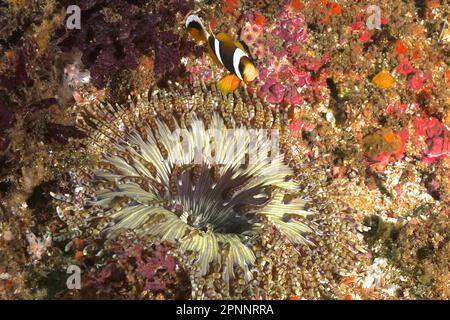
116,33
363,112
436,137
381,145
418,256
152,270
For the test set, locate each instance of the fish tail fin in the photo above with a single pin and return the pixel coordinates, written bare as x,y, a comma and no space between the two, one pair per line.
196,28
228,83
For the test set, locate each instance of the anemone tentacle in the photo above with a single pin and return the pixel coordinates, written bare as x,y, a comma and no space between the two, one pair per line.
196,184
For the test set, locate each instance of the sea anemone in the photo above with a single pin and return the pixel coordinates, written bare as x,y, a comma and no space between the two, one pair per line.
183,169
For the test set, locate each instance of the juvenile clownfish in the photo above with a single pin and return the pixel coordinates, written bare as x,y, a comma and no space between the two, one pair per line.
226,53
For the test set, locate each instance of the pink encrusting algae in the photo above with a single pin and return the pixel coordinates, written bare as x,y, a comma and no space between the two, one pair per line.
433,137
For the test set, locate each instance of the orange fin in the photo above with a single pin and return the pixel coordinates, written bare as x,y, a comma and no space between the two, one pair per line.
221,36
228,83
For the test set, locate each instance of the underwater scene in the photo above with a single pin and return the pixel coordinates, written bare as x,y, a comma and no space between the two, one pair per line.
229,149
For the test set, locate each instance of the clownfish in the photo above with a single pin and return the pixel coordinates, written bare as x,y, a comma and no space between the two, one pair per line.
226,53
